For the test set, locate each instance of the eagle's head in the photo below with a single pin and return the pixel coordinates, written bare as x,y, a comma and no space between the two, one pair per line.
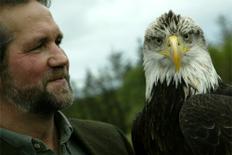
175,51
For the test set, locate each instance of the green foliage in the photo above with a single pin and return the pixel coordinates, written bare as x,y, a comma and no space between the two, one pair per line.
116,94
132,93
222,53
100,100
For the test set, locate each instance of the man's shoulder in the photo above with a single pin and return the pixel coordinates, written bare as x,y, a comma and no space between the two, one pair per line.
102,137
96,129
92,125
8,149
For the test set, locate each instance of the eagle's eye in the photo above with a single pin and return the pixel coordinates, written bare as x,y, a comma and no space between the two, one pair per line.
155,40
187,37
158,40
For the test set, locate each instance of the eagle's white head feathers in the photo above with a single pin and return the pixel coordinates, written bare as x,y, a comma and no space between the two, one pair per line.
175,51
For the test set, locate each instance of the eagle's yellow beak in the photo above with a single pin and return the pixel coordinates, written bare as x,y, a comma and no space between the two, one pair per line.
175,51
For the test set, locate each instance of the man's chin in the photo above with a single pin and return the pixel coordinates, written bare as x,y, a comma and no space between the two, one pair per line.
41,102
52,103
62,96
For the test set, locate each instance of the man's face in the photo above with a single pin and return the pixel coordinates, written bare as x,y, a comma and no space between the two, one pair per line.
36,78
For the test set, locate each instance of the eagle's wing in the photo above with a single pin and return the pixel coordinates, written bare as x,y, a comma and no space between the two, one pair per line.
206,123
224,89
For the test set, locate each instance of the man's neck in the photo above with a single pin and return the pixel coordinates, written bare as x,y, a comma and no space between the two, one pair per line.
34,125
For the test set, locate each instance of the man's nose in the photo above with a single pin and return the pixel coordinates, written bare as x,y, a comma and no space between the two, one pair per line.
57,58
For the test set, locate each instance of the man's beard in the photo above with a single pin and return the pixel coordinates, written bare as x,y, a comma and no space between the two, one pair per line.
37,99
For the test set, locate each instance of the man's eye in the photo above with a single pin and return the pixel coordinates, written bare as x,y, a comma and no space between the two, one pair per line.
38,46
58,40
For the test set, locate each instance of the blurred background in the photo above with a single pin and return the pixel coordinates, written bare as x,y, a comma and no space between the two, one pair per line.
103,40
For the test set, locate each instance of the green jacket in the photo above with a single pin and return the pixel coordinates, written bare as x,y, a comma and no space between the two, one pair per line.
96,138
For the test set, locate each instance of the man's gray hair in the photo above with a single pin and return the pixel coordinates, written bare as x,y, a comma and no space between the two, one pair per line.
47,3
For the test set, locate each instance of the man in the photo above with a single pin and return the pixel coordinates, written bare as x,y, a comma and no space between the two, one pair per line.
34,86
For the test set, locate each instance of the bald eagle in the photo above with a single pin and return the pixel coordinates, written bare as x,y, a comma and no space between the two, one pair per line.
188,109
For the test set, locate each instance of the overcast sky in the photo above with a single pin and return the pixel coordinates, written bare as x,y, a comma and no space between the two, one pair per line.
92,28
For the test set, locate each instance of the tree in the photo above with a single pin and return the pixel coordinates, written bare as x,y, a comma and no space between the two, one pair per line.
222,53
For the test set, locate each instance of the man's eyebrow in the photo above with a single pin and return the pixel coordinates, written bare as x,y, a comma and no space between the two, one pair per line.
35,40
41,38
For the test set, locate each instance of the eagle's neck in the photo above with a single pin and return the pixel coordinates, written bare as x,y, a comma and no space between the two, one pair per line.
196,77
166,100
162,116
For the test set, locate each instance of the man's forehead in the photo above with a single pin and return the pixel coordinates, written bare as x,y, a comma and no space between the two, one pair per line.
17,17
